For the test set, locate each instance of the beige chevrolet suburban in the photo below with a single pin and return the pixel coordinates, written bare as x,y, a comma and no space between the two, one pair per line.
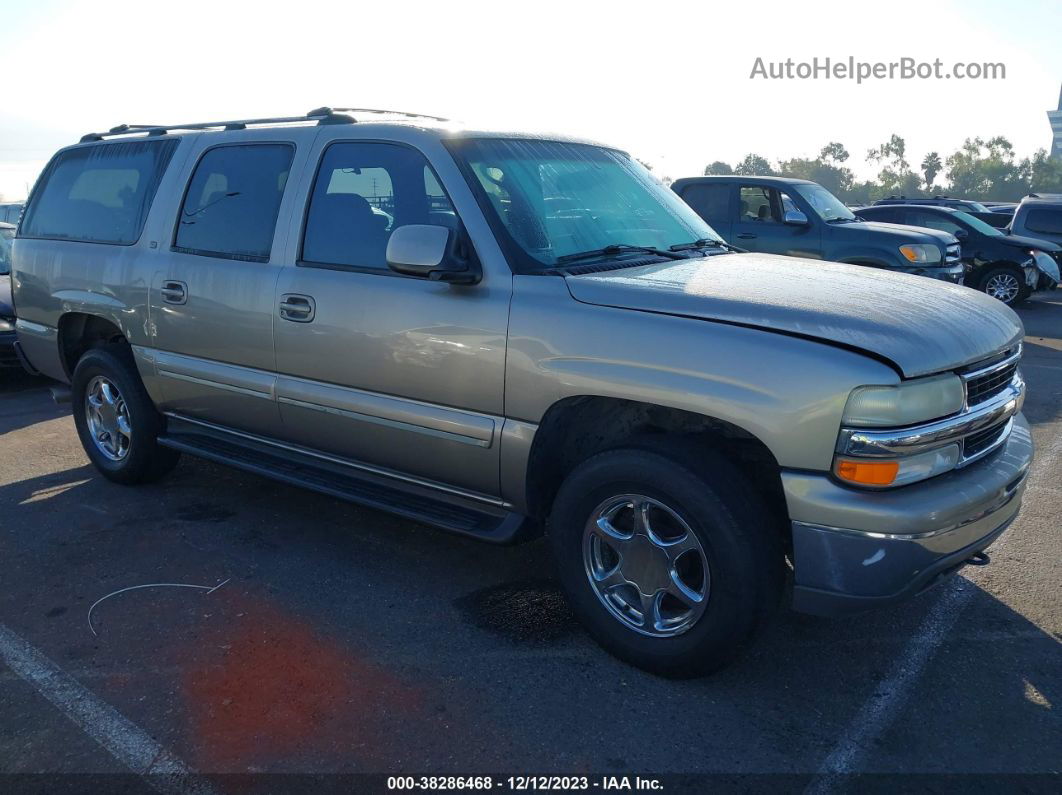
503,335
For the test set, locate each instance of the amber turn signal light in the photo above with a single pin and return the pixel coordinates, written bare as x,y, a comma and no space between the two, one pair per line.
867,473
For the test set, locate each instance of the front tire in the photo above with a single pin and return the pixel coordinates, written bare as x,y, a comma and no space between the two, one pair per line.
667,557
1006,284
116,420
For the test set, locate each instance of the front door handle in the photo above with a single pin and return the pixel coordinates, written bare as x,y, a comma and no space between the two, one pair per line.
174,292
297,308
746,236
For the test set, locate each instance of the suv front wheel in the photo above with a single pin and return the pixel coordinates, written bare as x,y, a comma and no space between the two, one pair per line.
1006,284
667,557
115,419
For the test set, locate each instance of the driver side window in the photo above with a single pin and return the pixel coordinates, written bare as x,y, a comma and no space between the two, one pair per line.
759,205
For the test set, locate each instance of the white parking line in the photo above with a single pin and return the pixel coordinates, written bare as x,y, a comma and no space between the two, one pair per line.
878,713
121,738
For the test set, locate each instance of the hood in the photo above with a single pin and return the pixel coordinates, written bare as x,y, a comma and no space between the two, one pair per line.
7,309
1029,242
905,234
921,325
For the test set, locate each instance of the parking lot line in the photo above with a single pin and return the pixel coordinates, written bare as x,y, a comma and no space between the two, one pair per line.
121,738
877,713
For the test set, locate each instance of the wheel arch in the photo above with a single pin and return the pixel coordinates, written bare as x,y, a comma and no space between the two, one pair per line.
577,427
81,331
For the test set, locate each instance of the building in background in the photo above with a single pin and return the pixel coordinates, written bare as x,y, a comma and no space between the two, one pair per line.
1055,117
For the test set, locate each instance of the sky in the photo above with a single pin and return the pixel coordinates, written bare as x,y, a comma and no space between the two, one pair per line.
668,82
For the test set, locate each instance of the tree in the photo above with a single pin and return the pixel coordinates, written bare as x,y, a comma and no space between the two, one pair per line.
833,152
825,170
895,176
754,165
1045,173
931,166
717,167
987,169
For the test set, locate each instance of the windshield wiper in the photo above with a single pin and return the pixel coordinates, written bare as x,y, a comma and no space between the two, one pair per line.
617,248
706,242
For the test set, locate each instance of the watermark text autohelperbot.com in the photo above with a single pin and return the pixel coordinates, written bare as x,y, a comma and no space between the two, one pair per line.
862,71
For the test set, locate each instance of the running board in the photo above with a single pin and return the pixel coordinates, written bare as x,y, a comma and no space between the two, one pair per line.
453,513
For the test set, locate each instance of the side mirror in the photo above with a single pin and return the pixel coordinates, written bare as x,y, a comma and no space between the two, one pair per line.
430,252
795,218
961,234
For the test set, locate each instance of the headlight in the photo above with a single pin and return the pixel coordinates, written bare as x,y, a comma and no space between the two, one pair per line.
921,254
7,325
897,471
908,403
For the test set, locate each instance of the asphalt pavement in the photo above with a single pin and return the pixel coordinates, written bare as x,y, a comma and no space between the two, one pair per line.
346,641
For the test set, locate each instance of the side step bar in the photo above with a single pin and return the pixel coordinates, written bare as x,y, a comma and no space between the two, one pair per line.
453,513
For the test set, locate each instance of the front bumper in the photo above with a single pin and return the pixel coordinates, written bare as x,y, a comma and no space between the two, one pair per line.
854,550
947,273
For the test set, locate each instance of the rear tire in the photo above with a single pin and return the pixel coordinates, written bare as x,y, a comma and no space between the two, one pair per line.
116,420
1005,283
684,488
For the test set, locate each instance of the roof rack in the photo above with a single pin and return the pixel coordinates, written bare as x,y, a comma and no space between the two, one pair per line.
324,115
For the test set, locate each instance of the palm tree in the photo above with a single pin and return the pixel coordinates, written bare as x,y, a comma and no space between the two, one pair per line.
931,166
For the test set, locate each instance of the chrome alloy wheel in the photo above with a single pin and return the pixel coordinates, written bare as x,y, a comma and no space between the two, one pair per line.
1004,286
646,565
108,418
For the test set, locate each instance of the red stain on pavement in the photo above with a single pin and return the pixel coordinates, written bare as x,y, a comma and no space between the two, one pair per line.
282,692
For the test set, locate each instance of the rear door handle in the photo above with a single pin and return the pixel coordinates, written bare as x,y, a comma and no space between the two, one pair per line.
746,235
174,292
297,308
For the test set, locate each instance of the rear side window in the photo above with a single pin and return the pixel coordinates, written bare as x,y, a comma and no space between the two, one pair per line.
710,202
231,205
362,193
1048,222
98,194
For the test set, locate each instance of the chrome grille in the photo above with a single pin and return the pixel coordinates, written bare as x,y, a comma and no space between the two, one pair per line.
953,254
985,382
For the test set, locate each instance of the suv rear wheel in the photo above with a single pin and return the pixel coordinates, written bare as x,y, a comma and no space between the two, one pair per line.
667,557
1006,284
116,420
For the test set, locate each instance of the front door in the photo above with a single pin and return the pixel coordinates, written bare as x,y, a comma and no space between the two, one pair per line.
394,372
760,225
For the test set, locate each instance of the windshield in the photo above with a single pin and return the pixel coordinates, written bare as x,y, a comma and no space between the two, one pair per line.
559,199
5,250
978,224
825,204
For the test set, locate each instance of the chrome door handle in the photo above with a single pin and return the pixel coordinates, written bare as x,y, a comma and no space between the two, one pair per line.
297,308
174,292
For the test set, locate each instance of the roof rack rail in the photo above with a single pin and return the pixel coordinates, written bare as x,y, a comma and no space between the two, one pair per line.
323,115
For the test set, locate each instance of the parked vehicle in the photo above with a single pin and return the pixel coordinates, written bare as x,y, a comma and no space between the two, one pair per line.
542,337
7,310
797,218
1039,216
938,201
1002,208
1007,267
10,211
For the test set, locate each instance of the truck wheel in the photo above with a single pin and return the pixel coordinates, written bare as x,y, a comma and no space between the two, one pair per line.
667,557
1006,284
116,420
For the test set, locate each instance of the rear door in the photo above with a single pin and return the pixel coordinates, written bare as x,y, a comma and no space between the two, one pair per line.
212,290
712,201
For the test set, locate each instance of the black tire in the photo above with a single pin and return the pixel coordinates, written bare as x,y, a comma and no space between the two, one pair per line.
739,536
1024,291
145,460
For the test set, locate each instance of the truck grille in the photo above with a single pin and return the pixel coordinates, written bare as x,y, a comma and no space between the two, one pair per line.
953,254
982,441
984,382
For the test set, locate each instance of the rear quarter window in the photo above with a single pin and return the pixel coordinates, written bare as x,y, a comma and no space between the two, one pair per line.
710,202
1048,222
98,194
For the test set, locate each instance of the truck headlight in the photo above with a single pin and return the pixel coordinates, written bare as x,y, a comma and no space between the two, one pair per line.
921,254
908,403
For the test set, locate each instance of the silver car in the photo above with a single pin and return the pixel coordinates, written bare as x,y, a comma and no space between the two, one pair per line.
503,335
